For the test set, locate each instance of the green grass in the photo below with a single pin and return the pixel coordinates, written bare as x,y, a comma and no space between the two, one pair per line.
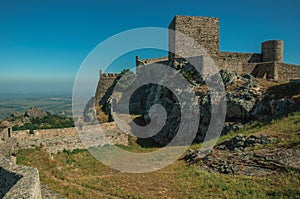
76,174
79,175
287,128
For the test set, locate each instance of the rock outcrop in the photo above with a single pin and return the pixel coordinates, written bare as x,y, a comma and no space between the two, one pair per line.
246,101
35,112
240,142
261,162
252,155
245,97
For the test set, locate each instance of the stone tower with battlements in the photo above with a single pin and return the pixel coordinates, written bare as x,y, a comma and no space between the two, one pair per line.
204,30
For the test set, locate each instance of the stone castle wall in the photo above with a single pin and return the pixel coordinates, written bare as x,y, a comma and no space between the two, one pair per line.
205,30
287,71
234,61
18,181
273,70
56,140
272,51
265,70
105,86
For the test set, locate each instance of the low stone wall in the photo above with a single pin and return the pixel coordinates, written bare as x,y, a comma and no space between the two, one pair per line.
55,140
21,134
23,182
18,181
273,70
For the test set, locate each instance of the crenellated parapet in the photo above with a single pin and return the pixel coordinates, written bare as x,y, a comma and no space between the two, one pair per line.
105,85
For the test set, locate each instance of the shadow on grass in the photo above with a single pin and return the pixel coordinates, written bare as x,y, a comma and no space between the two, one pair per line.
145,142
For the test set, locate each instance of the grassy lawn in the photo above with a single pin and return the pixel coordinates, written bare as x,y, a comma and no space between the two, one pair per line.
78,175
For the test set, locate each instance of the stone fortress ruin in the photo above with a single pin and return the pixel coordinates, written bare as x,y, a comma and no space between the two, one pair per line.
206,31
268,65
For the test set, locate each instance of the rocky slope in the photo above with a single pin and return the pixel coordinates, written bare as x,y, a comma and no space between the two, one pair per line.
259,149
247,100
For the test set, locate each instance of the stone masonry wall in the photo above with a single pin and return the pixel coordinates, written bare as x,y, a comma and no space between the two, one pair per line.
204,30
234,61
265,70
273,70
23,182
249,67
18,181
272,51
55,140
287,72
105,86
8,180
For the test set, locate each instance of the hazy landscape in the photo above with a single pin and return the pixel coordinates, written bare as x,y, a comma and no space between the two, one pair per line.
55,104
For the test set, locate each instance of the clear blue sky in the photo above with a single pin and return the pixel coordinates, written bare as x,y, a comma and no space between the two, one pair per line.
43,42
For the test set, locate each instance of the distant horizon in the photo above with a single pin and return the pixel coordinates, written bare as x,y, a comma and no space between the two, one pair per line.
35,94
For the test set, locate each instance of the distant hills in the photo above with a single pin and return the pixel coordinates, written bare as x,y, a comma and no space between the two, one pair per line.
59,105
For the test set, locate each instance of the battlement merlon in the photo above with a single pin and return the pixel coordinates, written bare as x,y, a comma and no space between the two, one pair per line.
142,62
108,75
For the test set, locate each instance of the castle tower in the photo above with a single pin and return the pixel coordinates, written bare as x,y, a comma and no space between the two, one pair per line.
205,30
272,51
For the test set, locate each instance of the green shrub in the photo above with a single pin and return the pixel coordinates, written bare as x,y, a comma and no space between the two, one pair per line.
47,122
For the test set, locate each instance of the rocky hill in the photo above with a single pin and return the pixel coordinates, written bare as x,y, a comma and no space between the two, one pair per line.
35,118
248,99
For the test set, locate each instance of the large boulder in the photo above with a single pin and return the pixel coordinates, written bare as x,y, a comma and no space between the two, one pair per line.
284,106
242,93
267,106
